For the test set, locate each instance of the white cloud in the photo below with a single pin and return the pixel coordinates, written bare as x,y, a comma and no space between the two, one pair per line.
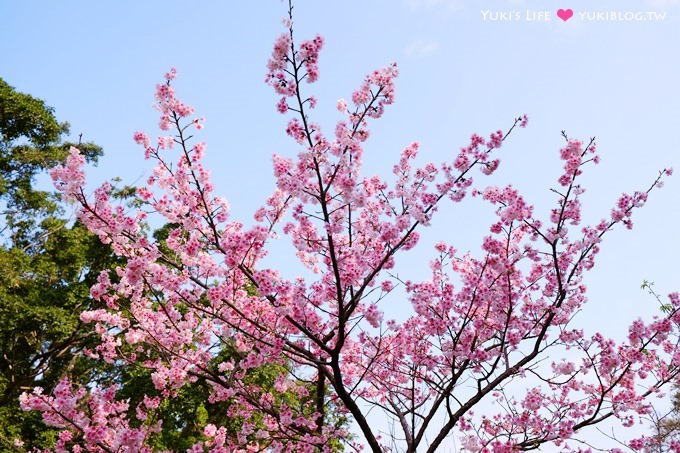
663,3
421,48
449,5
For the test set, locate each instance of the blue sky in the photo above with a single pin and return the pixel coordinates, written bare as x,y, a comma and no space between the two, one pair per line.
97,63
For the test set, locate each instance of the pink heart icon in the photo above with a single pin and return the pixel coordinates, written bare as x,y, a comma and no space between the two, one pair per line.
564,14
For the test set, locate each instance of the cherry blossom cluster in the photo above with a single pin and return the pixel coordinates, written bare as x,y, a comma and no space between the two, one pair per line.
92,420
288,66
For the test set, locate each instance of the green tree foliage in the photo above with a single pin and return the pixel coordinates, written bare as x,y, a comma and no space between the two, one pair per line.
46,265
31,141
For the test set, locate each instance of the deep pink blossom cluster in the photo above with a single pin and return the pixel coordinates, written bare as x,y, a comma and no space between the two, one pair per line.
489,329
94,420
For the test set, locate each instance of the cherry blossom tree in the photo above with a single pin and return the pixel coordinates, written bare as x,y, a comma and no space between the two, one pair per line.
498,330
